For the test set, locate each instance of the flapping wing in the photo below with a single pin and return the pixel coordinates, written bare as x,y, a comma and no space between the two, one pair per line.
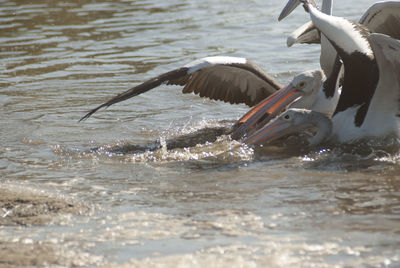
230,79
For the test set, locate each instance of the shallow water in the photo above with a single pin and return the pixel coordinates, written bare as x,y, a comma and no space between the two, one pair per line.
216,203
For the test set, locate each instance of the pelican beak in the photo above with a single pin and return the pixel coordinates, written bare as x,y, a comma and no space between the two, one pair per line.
266,110
270,132
290,6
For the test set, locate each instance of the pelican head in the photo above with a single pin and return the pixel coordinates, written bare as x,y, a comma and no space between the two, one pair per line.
308,85
293,121
302,92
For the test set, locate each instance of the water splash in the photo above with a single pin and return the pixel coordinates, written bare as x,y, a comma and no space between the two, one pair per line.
367,154
204,140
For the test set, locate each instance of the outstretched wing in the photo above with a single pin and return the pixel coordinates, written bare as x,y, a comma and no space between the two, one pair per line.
230,79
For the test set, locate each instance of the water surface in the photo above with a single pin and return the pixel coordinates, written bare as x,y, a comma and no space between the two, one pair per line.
216,203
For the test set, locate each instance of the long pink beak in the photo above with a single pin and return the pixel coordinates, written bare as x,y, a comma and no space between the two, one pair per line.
266,110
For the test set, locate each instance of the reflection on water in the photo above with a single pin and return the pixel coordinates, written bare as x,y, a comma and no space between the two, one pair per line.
156,180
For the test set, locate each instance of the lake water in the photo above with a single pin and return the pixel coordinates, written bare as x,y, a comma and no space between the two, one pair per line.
216,204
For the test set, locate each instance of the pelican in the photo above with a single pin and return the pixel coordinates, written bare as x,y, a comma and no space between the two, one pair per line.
369,102
235,80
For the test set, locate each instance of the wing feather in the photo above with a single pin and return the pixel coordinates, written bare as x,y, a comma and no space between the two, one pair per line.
233,80
387,54
383,17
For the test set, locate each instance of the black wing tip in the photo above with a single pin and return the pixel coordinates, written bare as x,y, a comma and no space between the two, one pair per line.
172,77
86,116
89,114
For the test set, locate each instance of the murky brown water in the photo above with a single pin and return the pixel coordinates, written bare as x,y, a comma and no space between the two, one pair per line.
214,204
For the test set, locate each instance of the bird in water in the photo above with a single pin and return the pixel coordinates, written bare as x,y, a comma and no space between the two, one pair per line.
238,80
369,102
234,80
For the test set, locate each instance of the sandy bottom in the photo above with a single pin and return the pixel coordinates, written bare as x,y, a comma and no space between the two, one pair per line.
26,255
27,209
23,210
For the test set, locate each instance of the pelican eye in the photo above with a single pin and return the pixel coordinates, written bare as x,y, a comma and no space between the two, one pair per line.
301,85
286,117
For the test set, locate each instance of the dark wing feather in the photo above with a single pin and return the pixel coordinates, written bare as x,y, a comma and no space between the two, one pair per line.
233,83
141,88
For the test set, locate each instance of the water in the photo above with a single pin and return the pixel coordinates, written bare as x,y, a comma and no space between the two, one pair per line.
214,204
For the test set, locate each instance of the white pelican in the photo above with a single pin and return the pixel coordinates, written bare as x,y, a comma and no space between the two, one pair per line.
234,80
369,102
